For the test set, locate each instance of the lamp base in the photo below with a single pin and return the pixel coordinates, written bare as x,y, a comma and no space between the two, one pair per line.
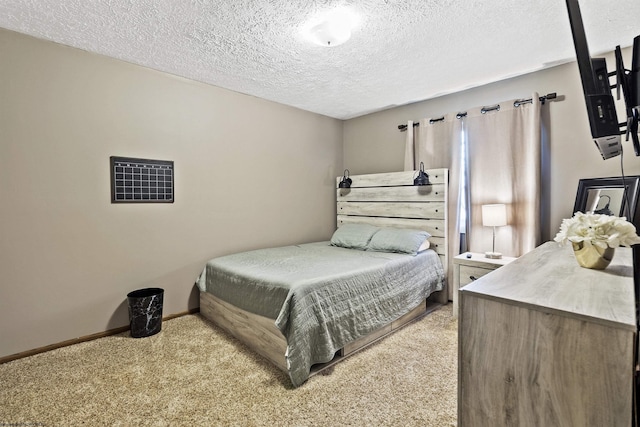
493,255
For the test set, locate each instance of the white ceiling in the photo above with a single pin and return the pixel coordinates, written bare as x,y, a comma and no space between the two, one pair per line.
402,51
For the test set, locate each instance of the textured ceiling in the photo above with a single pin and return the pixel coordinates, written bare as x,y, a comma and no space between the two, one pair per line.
402,51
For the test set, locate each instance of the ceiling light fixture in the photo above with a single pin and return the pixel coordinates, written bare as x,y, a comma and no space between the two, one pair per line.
331,28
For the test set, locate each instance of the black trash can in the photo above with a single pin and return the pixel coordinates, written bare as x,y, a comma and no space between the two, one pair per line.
145,311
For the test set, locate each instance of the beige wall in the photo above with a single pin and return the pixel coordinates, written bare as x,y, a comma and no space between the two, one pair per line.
249,173
373,143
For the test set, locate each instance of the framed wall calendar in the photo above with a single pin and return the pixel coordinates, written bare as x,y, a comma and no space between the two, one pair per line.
141,180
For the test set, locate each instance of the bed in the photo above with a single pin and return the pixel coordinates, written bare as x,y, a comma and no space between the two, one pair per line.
304,305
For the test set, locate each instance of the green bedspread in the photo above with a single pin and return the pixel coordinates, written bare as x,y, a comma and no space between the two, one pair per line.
322,297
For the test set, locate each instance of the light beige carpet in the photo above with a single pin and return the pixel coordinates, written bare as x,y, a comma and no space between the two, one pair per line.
193,374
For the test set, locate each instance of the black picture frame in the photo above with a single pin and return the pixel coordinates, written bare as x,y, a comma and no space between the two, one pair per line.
629,186
136,180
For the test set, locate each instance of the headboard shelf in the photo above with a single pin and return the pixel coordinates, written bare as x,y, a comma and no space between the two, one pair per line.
396,179
392,194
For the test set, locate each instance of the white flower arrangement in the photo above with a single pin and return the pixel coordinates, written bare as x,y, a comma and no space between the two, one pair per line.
597,230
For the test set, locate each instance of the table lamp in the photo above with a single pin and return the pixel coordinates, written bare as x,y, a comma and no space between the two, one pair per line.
494,216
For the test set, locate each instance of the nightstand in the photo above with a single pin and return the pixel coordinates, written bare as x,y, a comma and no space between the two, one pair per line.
466,270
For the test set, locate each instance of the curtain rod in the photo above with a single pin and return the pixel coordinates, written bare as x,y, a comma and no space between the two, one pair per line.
404,127
484,110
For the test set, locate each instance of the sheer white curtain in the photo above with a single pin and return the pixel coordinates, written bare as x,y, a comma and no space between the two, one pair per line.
504,167
437,145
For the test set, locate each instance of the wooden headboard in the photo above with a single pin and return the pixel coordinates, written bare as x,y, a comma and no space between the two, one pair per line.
391,200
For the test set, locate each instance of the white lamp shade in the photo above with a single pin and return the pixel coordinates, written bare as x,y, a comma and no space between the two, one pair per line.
494,215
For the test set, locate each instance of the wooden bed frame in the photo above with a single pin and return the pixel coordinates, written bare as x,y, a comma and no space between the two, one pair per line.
387,200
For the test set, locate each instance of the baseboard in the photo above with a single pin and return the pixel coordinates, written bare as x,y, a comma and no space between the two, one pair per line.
85,338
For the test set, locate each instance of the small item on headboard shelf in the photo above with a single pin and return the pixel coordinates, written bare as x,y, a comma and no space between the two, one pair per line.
422,178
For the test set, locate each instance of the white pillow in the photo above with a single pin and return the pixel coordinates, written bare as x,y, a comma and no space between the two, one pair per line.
423,247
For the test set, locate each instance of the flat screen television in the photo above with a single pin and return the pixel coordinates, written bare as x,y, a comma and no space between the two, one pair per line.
603,119
631,90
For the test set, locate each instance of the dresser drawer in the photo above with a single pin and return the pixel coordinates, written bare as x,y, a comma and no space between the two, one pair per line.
469,274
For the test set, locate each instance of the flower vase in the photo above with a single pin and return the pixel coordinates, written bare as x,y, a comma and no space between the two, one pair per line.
591,256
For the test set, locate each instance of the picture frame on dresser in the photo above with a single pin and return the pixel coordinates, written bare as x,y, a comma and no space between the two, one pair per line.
611,195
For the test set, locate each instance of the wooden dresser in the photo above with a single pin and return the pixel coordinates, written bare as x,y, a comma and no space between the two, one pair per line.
545,342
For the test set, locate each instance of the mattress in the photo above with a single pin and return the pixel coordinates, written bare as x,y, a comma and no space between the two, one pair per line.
322,297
